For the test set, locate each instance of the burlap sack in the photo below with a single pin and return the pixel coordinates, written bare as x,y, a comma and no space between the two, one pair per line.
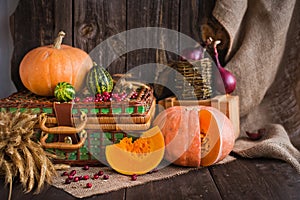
264,56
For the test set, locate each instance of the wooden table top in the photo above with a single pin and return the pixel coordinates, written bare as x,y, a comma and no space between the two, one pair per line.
240,179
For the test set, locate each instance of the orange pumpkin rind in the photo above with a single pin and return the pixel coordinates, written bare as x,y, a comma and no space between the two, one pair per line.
44,67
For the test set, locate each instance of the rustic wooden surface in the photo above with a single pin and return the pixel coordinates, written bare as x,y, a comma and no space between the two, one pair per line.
240,179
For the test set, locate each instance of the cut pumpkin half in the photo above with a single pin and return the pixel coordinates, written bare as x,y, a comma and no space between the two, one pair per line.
137,157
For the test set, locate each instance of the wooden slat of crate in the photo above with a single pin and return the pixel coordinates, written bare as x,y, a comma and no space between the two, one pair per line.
227,104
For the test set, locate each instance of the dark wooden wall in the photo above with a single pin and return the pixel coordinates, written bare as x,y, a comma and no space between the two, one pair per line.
87,23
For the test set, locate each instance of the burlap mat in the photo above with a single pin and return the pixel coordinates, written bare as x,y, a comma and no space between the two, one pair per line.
117,181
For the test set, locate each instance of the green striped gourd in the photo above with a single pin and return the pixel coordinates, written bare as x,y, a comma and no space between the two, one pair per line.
99,80
64,92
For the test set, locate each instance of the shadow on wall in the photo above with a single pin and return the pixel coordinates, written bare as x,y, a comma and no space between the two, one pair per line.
7,7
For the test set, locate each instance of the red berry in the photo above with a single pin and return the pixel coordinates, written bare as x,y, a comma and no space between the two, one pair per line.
89,185
73,172
105,177
76,179
70,177
100,173
133,177
65,174
106,94
77,99
86,177
86,167
67,181
123,95
254,135
96,176
105,98
80,178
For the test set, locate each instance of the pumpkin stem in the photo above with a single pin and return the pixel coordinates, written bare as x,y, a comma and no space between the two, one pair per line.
58,40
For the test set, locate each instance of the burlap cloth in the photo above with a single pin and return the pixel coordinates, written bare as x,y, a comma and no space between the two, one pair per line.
264,56
117,181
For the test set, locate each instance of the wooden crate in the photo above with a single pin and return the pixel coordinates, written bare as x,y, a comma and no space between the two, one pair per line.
227,104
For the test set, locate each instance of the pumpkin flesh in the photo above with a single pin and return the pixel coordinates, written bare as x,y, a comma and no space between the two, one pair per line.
211,141
138,157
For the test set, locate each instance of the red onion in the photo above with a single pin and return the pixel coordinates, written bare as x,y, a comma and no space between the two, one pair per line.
228,78
196,53
192,53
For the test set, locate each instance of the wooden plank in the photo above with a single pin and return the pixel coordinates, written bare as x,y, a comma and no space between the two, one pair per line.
119,194
196,21
193,185
146,13
234,113
50,193
240,179
256,179
35,23
96,21
229,105
191,17
63,15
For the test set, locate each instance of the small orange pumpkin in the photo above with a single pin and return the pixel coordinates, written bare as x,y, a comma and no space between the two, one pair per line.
196,135
44,67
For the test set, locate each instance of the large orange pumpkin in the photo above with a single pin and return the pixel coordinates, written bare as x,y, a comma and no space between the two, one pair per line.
195,136
44,67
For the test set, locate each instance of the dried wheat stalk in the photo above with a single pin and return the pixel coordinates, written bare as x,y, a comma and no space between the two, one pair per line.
20,156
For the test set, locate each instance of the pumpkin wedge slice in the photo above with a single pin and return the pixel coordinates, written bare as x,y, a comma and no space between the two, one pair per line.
137,157
217,131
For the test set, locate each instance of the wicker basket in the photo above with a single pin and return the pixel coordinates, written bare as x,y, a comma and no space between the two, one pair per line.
123,112
90,126
92,152
194,79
